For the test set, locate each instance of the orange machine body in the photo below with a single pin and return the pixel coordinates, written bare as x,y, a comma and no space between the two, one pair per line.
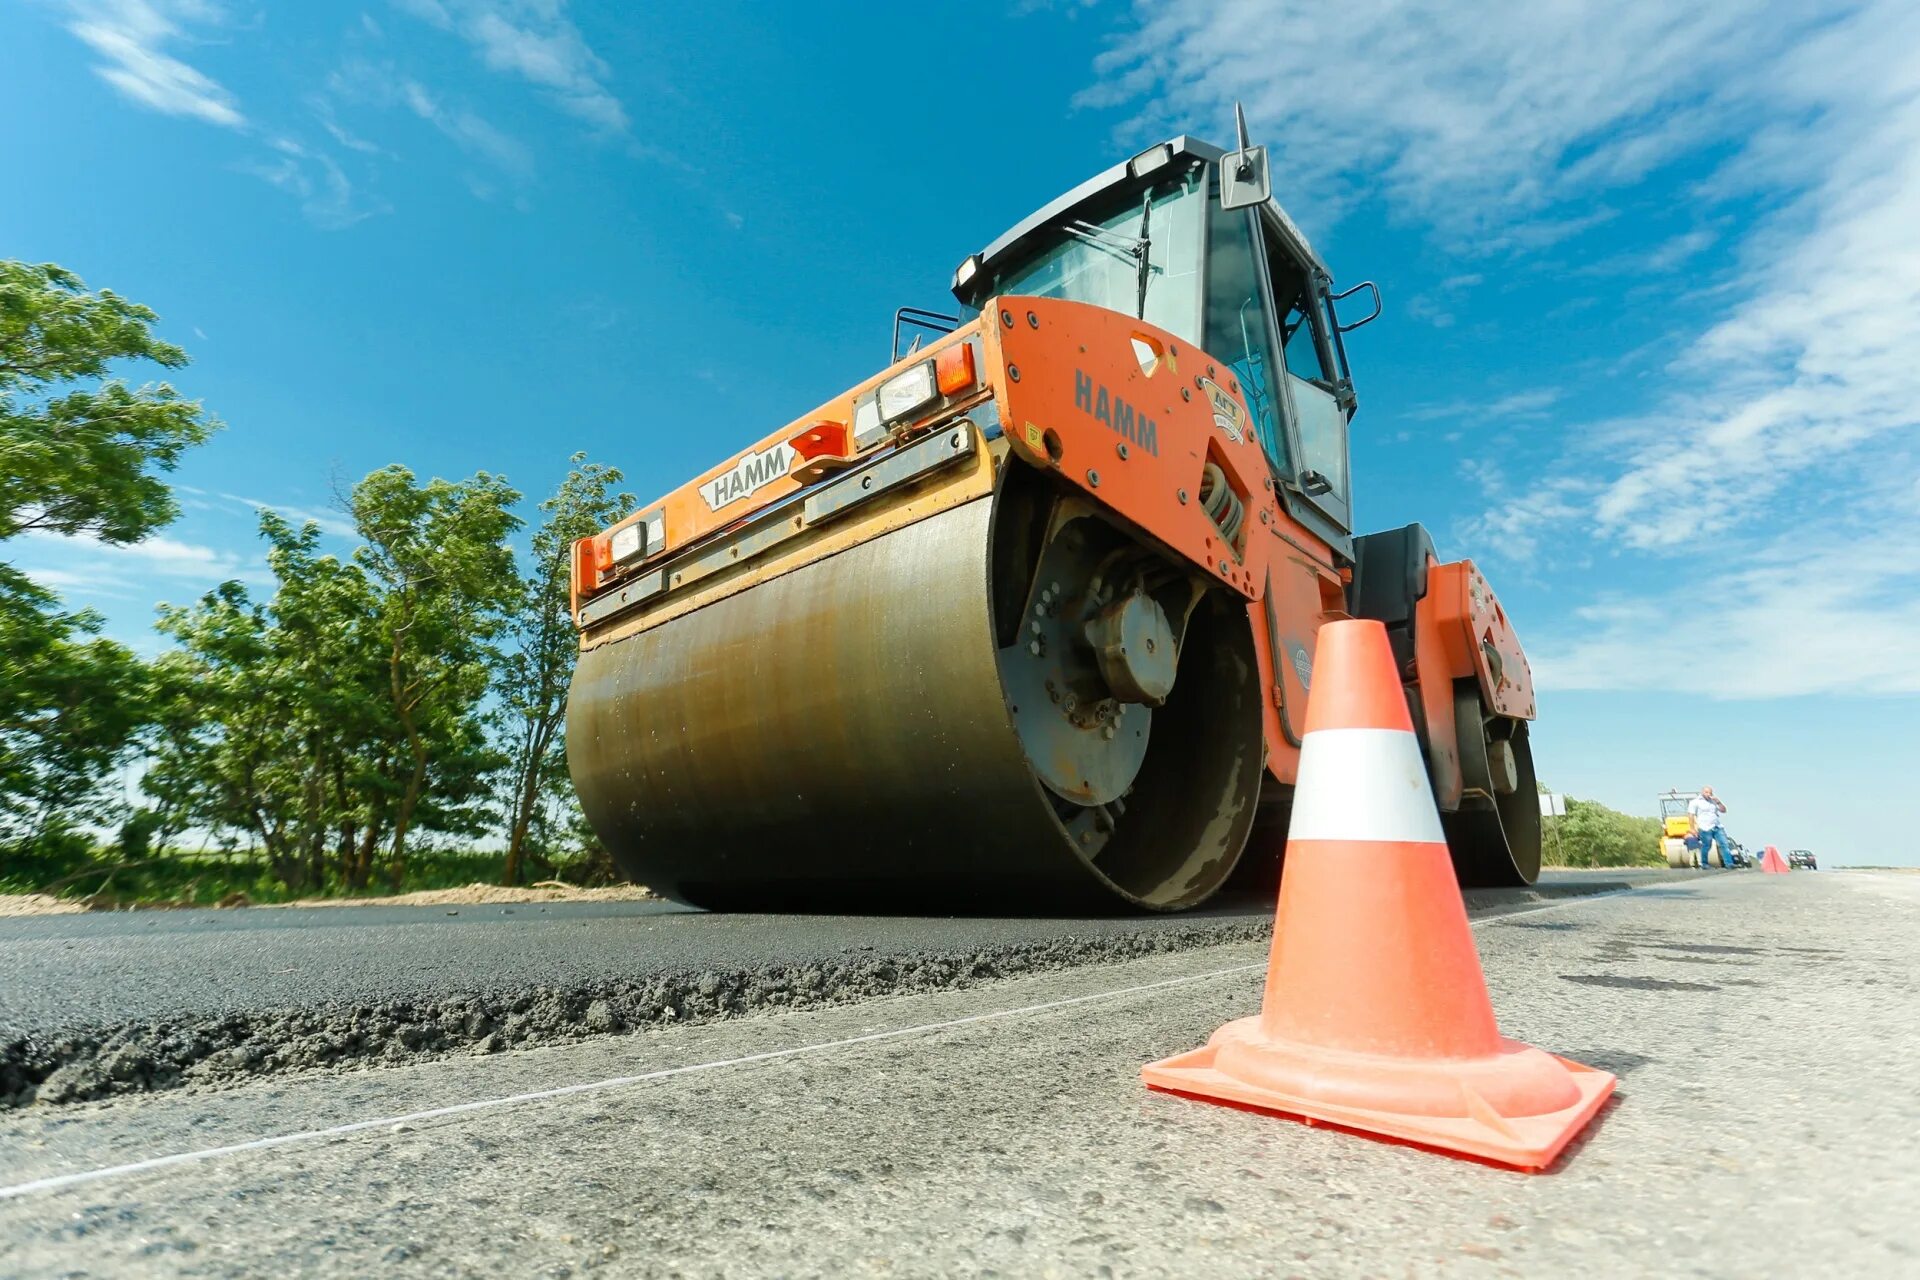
1131,416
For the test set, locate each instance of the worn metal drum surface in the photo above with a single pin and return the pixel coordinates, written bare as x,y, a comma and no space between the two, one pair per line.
839,737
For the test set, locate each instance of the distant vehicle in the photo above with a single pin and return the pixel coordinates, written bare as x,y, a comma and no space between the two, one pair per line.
1676,829
1675,826
1802,860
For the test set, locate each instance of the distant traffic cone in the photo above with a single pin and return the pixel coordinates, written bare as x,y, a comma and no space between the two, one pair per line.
1772,863
1376,1016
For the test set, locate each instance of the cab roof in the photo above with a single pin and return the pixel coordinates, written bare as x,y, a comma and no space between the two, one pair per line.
1013,243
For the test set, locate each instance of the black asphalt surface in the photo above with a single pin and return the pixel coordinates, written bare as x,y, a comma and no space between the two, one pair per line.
94,1006
60,973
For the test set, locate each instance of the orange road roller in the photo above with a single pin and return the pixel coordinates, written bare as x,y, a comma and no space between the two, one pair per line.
1026,621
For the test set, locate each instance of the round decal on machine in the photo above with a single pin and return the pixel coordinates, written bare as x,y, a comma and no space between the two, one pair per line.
1303,666
1227,413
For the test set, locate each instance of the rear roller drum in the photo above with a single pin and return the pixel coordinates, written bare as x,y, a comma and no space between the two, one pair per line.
1495,836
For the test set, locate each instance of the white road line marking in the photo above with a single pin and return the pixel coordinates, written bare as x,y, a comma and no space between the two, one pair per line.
1573,900
617,1082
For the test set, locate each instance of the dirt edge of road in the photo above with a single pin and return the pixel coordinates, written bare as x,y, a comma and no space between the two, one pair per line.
476,894
89,1063
38,904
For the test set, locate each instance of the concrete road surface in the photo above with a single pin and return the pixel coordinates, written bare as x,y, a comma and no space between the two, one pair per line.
1767,1122
97,1005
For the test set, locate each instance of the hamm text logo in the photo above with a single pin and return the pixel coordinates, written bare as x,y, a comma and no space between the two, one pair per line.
747,476
1120,417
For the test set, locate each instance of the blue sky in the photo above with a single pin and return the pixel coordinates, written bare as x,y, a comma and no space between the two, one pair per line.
1652,275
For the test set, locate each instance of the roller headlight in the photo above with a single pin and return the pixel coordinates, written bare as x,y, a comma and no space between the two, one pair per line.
904,392
644,537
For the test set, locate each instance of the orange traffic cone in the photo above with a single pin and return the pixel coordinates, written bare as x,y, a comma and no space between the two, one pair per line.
1376,1015
1772,863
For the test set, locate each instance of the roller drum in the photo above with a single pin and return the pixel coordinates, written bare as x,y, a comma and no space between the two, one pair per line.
840,737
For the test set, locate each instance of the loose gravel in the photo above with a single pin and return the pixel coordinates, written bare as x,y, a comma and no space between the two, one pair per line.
141,1056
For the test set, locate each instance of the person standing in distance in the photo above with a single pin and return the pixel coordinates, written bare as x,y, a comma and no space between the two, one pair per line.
1705,810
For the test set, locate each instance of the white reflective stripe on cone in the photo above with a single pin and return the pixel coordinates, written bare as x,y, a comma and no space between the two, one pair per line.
1363,784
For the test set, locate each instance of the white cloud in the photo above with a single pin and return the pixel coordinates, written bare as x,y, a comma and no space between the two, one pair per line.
323,112
1473,119
1764,461
85,566
536,41
1518,517
383,85
1424,307
1834,617
468,131
1810,379
63,581
164,555
1514,406
132,35
330,522
316,180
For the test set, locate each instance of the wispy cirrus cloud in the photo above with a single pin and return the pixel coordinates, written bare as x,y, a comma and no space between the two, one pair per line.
538,42
326,195
329,522
467,129
85,567
1833,616
1474,123
1774,429
1530,404
384,85
132,38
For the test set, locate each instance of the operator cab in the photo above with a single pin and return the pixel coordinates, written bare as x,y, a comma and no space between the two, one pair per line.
1154,238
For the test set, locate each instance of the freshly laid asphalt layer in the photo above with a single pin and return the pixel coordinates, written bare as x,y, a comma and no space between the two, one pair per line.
1766,1123
97,1005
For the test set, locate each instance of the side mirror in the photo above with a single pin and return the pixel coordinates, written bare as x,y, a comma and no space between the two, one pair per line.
1245,178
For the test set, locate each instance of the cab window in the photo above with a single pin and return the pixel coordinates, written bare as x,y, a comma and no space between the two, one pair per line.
1236,327
1319,418
1297,334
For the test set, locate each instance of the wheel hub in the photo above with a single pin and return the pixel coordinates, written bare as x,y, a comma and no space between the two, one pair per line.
1094,655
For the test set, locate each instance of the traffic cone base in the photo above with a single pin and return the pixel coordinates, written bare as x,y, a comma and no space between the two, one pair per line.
1520,1106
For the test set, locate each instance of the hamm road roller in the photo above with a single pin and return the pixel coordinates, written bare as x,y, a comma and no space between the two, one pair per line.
1026,620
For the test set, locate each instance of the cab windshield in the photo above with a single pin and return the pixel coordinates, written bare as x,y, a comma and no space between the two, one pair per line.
1098,260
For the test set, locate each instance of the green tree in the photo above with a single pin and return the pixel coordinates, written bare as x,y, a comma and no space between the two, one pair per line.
83,461
69,703
272,718
82,455
344,714
535,664
437,559
1593,835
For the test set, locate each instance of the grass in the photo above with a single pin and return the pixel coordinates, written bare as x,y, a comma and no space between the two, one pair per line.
186,879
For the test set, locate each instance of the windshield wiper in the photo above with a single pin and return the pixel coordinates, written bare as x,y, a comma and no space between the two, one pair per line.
1101,238
1139,248
1146,246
